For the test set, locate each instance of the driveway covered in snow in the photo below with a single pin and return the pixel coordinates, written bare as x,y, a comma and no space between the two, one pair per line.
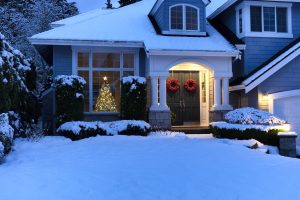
129,168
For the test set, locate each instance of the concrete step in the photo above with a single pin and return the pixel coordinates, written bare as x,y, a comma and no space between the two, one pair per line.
191,129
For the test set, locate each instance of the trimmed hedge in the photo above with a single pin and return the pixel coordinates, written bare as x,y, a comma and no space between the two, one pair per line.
133,130
84,133
266,137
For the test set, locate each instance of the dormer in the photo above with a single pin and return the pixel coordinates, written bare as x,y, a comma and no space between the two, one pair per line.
180,17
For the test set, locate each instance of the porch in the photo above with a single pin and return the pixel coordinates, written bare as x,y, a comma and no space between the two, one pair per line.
187,110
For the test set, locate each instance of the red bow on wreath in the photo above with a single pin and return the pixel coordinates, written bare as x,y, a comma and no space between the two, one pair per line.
190,85
173,84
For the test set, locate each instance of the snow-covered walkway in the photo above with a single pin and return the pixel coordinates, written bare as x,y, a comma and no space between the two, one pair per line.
152,168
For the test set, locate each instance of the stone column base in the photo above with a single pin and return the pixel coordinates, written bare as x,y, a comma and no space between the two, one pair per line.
160,119
217,115
287,145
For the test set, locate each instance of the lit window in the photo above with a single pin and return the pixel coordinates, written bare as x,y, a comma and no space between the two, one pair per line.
102,93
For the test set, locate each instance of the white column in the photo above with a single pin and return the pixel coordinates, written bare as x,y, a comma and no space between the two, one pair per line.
217,93
225,90
163,93
154,93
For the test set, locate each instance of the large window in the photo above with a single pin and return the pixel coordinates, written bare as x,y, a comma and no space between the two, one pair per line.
264,19
103,71
184,18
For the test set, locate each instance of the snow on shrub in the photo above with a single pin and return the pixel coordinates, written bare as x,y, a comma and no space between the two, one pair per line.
133,98
80,130
168,134
6,132
69,98
252,116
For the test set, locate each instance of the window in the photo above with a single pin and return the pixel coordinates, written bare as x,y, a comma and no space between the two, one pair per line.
282,20
177,18
256,19
240,20
103,74
269,19
184,18
264,19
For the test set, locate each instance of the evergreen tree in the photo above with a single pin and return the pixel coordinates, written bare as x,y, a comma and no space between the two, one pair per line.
105,101
109,4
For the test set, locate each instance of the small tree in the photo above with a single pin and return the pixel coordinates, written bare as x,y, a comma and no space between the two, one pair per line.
133,98
105,101
69,98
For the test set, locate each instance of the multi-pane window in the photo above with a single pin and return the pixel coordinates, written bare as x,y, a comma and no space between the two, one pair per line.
103,74
177,18
191,18
184,18
269,19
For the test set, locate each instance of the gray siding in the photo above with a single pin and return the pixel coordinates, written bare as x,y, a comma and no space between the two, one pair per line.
162,14
62,60
287,78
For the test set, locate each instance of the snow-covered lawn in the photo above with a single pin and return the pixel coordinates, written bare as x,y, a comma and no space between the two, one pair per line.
150,168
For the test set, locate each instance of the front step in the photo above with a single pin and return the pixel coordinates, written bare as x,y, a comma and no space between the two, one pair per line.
191,129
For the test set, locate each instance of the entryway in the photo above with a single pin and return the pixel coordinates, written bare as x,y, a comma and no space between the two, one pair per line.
189,102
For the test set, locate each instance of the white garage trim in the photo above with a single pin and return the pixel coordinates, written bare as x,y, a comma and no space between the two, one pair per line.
281,95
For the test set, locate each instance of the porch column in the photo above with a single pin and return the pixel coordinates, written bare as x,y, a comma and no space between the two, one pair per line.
217,93
225,91
154,93
163,93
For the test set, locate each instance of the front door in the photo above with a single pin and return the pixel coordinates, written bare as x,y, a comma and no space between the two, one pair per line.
185,105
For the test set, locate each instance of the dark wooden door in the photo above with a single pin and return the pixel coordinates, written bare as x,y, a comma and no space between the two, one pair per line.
185,105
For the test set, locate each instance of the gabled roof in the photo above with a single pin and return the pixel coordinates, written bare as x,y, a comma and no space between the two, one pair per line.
159,2
270,67
129,25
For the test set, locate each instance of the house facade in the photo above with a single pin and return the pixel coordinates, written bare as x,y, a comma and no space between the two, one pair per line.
268,34
157,40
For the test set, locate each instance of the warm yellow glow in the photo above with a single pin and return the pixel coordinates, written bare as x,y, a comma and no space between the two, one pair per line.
287,127
105,78
265,97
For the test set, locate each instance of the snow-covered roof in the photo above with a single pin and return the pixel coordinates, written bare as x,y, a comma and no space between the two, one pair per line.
129,24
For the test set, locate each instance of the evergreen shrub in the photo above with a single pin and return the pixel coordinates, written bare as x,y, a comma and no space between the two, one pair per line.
133,98
69,98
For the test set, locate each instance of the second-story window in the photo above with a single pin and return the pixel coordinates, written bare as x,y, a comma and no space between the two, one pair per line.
268,19
184,18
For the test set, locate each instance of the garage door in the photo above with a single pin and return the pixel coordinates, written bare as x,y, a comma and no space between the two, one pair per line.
289,109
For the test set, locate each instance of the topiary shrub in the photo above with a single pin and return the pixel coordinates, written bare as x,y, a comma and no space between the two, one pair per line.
133,98
69,98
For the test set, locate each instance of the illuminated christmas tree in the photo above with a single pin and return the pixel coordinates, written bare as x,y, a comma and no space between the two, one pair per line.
105,101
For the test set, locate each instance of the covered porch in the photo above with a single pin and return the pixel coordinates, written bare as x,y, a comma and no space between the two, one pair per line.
207,102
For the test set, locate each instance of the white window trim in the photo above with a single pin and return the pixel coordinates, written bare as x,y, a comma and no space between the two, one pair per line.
245,6
184,30
90,69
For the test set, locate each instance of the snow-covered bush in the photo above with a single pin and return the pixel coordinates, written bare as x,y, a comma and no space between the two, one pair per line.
17,83
267,134
252,116
6,133
133,98
69,98
80,130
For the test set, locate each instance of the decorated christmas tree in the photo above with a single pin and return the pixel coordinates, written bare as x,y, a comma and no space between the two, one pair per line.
105,101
